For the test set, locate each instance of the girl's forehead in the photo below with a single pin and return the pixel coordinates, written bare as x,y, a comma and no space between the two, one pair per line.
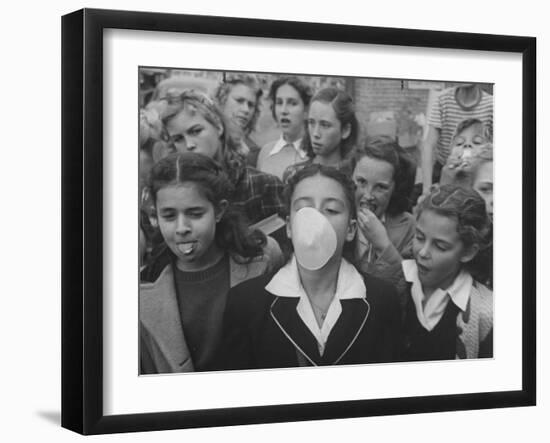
241,88
374,166
187,112
187,191
438,225
319,186
287,89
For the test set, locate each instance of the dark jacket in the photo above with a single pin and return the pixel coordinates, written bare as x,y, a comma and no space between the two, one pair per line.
262,330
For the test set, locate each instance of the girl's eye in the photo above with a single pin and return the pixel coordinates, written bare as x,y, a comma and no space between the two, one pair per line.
178,138
418,236
459,141
478,140
360,181
168,215
441,246
332,211
194,131
195,214
381,188
293,102
485,189
279,102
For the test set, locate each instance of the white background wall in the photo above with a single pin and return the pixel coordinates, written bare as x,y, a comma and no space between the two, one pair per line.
30,165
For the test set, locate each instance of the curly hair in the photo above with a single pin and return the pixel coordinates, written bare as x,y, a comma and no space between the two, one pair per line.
386,148
468,209
343,106
198,103
248,80
232,233
303,89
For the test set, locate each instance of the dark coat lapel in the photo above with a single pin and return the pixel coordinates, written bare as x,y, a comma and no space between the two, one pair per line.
351,322
283,312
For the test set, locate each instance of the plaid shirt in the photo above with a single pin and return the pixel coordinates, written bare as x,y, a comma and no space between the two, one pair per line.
258,194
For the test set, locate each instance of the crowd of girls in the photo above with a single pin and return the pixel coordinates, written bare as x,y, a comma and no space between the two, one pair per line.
310,250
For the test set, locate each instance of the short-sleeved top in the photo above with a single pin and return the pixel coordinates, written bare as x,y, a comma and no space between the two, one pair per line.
446,114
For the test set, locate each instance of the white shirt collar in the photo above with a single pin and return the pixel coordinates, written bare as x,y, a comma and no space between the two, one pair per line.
431,313
350,284
281,143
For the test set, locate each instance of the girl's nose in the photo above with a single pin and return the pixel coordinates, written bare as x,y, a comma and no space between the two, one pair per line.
367,193
182,225
424,251
315,132
190,145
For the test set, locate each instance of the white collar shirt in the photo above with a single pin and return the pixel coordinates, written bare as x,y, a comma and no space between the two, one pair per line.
430,312
281,143
350,285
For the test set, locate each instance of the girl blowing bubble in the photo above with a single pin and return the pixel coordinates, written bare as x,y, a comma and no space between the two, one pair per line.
317,309
449,314
211,250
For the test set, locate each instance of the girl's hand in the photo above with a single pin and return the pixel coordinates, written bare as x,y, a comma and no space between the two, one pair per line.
373,229
456,171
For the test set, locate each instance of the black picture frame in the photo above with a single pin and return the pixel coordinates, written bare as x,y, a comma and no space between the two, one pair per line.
82,220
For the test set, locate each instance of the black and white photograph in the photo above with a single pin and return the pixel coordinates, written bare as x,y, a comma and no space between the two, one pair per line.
308,230
290,220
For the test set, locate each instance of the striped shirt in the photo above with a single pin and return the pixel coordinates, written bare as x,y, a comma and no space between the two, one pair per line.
446,114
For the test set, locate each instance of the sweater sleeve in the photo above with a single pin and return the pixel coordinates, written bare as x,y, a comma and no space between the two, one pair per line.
387,265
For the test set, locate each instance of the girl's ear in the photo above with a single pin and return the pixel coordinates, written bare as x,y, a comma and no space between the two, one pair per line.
352,228
221,207
469,253
346,131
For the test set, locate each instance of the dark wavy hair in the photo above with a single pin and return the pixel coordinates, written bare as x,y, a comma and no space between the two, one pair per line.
232,232
304,90
248,80
196,102
311,170
468,209
387,149
343,106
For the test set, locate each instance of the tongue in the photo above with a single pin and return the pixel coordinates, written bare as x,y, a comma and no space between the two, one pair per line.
186,248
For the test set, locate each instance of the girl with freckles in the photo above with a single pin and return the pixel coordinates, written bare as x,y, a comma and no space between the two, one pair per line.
384,177
449,314
210,249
